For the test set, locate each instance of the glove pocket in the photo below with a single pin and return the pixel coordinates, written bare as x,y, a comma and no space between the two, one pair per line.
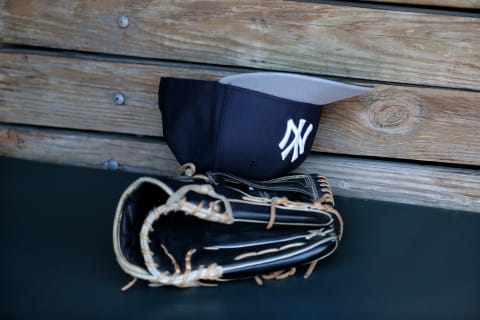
133,207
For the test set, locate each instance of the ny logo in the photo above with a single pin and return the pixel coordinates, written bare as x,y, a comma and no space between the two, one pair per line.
297,145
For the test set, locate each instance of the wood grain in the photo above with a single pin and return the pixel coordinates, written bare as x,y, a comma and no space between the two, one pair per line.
405,122
442,187
464,4
336,40
439,125
78,93
86,149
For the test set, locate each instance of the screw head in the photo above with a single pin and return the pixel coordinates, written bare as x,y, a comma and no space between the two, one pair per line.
119,99
112,165
122,22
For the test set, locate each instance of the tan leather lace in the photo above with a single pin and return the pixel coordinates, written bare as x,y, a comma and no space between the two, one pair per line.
179,202
325,188
130,284
325,207
275,202
267,251
276,275
318,204
189,169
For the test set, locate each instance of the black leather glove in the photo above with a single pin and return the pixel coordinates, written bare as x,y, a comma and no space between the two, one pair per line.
188,231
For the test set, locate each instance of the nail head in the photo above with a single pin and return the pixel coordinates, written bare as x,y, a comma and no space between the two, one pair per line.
123,22
119,99
112,165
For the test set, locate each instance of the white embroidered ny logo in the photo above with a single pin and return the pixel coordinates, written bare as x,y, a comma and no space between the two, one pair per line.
297,145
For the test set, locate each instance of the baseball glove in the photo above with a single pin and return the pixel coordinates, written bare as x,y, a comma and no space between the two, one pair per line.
197,230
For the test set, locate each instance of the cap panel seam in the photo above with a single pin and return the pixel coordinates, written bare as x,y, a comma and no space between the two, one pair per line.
218,161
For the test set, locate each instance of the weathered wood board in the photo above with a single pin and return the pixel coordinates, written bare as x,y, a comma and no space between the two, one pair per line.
439,125
380,180
464,4
402,47
78,93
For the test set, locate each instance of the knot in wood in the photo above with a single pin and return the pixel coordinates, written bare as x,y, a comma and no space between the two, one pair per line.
390,116
10,137
394,113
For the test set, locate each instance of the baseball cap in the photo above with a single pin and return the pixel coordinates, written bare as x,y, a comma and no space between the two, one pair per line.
255,125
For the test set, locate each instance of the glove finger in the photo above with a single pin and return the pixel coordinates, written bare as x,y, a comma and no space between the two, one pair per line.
242,249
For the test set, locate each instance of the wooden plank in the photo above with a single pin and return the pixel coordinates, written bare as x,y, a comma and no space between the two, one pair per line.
463,4
336,40
426,185
448,188
405,123
77,93
439,125
86,150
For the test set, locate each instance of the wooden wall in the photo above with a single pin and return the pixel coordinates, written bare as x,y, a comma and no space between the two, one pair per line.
415,139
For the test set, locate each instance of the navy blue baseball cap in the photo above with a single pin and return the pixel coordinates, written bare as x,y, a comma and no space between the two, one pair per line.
256,126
